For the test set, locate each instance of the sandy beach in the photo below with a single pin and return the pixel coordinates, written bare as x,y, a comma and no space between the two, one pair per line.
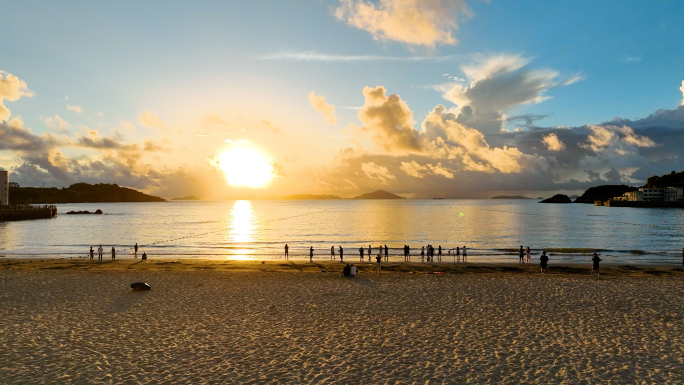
75,321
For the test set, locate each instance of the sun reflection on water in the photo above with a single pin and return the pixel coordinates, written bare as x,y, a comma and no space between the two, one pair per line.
242,228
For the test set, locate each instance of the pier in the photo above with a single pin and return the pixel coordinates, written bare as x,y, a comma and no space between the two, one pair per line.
24,212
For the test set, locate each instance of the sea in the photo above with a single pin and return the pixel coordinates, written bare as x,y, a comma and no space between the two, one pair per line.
492,230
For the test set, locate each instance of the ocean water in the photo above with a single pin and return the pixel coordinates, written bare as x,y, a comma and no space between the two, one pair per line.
491,229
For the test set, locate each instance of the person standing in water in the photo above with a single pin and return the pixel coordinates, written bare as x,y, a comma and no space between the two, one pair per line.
386,255
543,262
135,248
521,254
465,256
370,251
439,253
311,250
595,268
458,254
361,253
287,252
92,253
528,254
113,253
332,253
100,250
341,254
422,254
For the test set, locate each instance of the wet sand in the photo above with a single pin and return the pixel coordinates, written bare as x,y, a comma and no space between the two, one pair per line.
76,321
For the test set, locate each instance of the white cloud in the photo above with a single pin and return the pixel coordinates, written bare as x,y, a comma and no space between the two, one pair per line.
11,88
150,119
413,169
375,171
682,89
76,109
57,123
312,56
553,143
320,105
100,114
413,22
126,125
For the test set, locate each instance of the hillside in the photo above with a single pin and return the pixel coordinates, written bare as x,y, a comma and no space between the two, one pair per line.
79,193
310,196
380,194
510,197
673,179
558,198
603,193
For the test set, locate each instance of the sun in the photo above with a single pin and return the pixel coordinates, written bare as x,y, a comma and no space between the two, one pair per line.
246,167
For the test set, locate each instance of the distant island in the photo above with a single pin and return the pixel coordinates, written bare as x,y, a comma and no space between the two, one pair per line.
187,198
510,197
558,198
380,194
309,197
78,193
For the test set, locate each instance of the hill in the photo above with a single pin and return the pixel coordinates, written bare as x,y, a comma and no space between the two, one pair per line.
79,193
380,194
603,193
187,198
673,179
558,198
310,196
510,197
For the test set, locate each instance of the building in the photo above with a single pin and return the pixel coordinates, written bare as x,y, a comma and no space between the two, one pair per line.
4,188
667,194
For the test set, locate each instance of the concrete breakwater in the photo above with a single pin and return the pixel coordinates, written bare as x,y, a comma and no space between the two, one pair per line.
643,204
24,212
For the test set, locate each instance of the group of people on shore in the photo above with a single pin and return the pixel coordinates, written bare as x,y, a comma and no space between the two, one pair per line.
100,252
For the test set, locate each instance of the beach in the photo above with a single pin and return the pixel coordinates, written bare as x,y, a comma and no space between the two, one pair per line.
75,321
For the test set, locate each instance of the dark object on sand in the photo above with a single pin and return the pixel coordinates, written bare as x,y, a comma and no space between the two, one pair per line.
140,286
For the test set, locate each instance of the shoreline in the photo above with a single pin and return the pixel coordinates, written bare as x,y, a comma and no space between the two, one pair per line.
333,267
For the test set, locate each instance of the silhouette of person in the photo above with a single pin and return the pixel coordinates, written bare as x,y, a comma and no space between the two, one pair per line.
527,253
332,253
100,250
544,261
369,253
346,271
458,254
422,253
439,253
311,250
361,253
595,268
378,260
386,255
521,254
135,248
408,252
465,255
113,253
341,254
92,253
144,256
287,252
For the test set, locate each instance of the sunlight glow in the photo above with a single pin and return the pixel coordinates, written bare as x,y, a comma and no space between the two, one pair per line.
241,227
245,166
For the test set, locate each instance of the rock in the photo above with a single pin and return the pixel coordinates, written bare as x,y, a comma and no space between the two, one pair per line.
98,211
140,286
85,212
558,198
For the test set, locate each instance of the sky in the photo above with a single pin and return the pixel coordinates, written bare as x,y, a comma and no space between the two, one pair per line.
423,98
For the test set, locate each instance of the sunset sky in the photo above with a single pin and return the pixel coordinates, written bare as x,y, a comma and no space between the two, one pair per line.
422,98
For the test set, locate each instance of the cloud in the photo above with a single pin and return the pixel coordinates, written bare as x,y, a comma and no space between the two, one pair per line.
150,119
311,56
76,109
682,89
271,127
212,119
413,169
320,105
11,88
126,125
374,171
57,123
388,122
497,83
100,114
552,142
412,22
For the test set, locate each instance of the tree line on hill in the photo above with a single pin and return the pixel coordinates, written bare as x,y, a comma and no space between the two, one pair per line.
78,193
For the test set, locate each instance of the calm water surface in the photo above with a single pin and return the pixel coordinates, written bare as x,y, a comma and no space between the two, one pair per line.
492,229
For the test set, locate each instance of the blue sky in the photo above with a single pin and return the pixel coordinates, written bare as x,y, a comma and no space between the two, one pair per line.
252,65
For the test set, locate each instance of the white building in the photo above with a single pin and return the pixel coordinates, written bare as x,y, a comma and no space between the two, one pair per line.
667,194
4,188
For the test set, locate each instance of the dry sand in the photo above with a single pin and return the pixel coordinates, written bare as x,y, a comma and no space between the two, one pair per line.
74,321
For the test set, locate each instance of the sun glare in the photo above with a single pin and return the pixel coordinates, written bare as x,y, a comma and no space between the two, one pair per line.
245,166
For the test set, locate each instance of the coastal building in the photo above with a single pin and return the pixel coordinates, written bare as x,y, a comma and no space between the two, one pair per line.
4,188
666,194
